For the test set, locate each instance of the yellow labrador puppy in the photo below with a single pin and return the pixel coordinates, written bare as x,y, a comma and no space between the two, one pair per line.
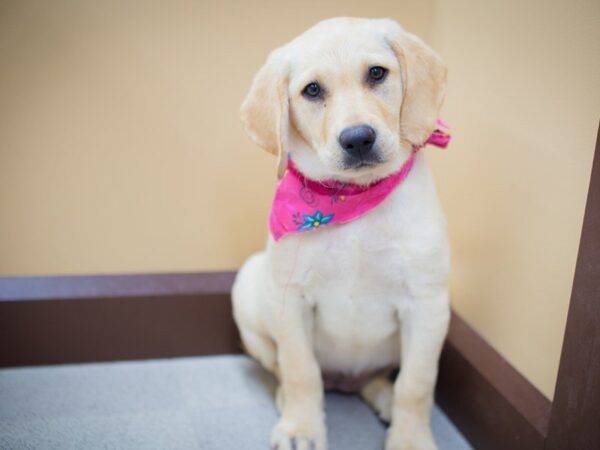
337,306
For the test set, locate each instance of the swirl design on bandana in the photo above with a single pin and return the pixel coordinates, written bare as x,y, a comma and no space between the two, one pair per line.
308,196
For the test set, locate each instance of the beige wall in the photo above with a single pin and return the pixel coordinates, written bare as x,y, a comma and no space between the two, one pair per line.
121,149
524,104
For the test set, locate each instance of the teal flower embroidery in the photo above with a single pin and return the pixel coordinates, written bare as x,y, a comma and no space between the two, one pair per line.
315,221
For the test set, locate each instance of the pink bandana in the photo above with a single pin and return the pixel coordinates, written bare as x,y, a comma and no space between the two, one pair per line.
302,204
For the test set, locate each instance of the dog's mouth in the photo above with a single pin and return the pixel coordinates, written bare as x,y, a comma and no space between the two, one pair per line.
357,164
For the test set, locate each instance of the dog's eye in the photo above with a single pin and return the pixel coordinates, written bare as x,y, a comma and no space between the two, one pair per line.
377,74
312,90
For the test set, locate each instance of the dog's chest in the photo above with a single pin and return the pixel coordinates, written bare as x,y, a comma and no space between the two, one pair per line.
354,279
353,262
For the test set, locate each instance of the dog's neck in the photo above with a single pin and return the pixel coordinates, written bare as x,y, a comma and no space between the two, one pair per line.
302,204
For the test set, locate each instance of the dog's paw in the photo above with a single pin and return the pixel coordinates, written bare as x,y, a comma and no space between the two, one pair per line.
288,436
379,395
419,438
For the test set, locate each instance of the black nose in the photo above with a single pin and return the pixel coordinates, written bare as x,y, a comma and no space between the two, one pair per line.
358,140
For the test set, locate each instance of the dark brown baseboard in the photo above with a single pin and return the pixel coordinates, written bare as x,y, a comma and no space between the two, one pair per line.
57,320
492,404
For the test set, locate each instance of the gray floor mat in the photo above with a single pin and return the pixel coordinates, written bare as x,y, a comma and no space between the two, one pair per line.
208,403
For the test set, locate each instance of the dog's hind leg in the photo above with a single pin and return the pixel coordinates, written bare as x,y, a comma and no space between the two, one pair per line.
261,348
248,294
379,395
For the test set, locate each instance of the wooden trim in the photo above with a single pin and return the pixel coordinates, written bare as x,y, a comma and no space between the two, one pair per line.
492,404
113,286
575,420
54,320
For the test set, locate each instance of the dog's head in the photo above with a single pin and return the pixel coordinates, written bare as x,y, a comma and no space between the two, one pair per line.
347,99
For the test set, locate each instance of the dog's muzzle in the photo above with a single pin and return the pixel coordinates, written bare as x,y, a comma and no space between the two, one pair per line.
358,143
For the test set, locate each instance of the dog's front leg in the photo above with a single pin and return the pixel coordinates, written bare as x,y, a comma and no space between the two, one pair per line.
424,327
302,422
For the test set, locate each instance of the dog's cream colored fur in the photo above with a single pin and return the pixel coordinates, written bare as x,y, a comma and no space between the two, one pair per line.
371,294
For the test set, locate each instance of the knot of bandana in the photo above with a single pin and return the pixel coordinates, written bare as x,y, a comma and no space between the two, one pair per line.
440,136
301,204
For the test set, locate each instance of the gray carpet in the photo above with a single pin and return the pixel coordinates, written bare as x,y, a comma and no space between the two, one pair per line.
209,403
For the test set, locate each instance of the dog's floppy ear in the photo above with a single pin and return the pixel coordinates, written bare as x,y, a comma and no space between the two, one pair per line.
423,82
265,111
